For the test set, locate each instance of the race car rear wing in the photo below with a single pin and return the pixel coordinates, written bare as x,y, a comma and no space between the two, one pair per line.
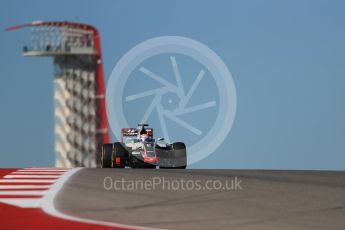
128,132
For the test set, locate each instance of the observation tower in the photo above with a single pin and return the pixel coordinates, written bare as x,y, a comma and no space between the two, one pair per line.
79,90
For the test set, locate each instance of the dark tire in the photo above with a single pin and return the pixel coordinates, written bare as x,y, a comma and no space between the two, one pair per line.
121,153
179,156
180,153
106,155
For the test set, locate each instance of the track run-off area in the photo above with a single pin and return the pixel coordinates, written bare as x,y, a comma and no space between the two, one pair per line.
27,201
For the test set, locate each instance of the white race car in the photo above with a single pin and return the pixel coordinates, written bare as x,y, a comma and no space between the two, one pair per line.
138,149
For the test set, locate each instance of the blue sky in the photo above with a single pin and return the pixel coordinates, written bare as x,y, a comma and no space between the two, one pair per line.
286,58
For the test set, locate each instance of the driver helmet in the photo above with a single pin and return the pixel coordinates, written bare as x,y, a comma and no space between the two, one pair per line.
144,137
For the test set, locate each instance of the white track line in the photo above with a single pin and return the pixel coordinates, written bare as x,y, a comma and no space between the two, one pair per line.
31,176
23,193
27,181
36,173
45,168
25,186
48,206
23,203
42,170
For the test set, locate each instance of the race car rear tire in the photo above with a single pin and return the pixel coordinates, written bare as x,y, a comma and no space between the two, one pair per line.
180,153
179,156
120,156
106,155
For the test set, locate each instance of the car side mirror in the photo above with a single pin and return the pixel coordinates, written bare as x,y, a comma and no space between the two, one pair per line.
160,139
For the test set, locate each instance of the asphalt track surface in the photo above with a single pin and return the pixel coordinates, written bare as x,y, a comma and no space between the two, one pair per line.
266,199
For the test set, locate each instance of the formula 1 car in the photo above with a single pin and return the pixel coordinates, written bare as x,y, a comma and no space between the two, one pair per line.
138,149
